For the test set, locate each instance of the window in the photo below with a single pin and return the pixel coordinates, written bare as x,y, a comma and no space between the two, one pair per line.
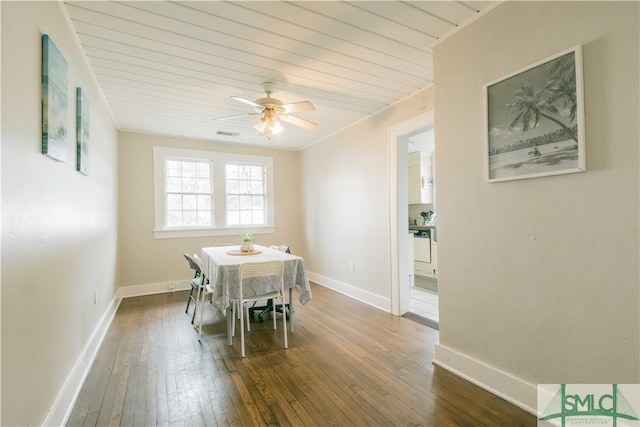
245,194
204,193
188,192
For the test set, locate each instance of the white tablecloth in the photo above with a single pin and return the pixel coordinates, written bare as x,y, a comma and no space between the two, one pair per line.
224,270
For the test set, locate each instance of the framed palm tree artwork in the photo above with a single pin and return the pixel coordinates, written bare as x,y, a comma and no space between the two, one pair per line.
535,120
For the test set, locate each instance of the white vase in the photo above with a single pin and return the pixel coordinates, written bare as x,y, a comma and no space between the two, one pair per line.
246,247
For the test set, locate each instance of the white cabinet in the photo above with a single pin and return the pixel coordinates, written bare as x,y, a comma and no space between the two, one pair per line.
420,177
434,257
415,195
422,249
409,266
425,257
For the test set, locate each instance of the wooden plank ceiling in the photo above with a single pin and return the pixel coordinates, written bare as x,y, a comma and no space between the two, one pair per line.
170,68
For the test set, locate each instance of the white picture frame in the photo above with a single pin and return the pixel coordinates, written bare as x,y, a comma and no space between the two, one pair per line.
534,120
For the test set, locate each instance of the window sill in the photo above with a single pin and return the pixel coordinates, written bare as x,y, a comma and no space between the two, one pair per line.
184,233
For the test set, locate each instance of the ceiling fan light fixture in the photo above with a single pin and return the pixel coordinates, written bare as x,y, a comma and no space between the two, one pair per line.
272,111
262,125
275,127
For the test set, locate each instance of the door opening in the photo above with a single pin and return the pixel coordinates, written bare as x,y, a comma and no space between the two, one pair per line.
401,243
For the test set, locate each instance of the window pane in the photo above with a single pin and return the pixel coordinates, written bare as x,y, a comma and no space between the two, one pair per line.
233,203
244,172
188,185
256,173
256,187
174,202
244,187
188,169
232,171
233,218
173,168
245,217
204,218
245,203
174,185
174,218
232,187
258,217
204,202
257,202
189,218
202,170
203,185
189,202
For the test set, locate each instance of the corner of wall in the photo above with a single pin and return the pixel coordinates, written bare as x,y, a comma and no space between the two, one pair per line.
502,384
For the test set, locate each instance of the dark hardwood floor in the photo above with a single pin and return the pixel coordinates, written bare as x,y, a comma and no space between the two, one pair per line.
347,365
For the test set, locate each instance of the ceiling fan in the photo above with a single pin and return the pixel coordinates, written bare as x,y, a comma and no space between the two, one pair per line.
271,110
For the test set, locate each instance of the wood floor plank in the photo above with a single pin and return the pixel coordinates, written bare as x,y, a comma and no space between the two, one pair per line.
348,364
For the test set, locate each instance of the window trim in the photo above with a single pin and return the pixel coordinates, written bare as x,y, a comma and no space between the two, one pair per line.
219,160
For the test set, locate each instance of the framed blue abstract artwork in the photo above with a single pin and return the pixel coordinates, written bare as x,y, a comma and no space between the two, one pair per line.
82,132
54,101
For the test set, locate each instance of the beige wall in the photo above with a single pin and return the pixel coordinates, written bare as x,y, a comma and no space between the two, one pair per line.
140,252
539,277
346,197
58,226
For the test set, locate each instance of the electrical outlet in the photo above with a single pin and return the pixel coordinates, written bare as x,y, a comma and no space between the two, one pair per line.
172,285
95,296
352,266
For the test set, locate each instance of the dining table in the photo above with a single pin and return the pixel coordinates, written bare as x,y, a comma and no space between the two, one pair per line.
222,264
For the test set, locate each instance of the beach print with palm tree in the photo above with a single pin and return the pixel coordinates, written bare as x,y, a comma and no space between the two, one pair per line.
533,121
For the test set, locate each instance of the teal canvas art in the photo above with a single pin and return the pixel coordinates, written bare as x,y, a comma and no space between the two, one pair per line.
54,101
82,132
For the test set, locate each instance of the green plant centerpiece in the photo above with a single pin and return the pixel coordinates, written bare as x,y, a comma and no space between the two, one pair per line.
247,243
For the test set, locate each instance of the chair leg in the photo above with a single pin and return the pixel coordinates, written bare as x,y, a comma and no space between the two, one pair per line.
241,303
284,323
200,290
189,300
232,313
199,324
248,319
291,314
273,313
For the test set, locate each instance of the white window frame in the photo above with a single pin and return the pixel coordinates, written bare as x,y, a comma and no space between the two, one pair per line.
218,161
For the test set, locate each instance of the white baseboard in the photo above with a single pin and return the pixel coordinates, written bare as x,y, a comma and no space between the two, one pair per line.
153,288
351,291
62,406
512,389
66,399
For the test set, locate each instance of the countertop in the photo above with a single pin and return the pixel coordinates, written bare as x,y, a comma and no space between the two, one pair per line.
421,227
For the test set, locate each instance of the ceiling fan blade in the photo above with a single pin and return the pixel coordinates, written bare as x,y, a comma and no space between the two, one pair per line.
246,101
235,117
306,124
296,107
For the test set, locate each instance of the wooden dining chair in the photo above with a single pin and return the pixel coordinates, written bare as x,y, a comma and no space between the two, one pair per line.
249,293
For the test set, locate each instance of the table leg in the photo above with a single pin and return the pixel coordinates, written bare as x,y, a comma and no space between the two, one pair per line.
229,320
290,310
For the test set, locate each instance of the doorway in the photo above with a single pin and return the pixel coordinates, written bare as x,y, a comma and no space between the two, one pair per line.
406,297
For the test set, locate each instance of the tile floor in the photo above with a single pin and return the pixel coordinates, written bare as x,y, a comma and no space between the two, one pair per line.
424,303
